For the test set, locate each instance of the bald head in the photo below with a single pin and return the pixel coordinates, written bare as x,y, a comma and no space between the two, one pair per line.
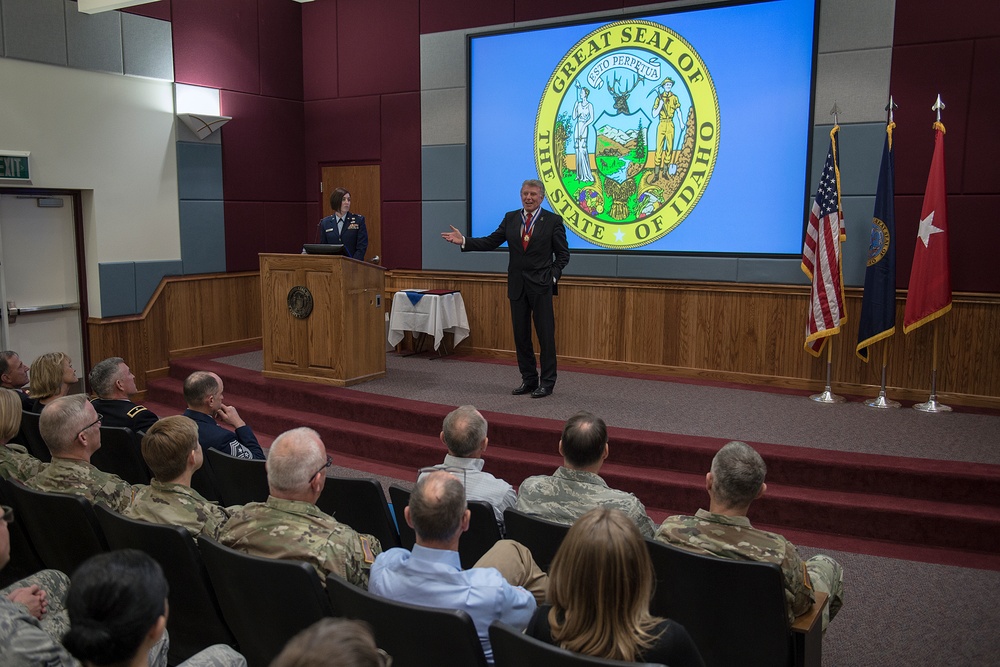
437,507
295,458
199,387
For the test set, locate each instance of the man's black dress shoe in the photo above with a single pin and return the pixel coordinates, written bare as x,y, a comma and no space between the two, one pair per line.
541,392
525,388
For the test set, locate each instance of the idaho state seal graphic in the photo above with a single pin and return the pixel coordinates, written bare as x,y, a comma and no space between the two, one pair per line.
627,134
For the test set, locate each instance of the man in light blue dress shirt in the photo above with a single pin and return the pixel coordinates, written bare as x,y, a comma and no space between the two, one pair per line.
432,574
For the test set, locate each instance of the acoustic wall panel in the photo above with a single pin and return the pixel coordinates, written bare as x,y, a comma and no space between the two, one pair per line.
440,255
281,61
443,117
319,50
925,21
283,230
381,60
199,170
441,15
343,130
438,66
147,47
262,148
117,288
155,10
94,41
860,157
851,25
216,44
35,30
244,235
443,173
530,10
400,141
856,81
983,139
401,234
203,237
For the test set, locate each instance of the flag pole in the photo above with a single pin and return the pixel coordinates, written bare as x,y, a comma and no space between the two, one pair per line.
881,401
828,396
932,404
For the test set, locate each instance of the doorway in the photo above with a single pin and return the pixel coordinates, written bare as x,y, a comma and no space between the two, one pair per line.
363,181
42,287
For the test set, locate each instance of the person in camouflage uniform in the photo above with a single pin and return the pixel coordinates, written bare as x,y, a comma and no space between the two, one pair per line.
72,430
173,454
15,461
289,525
735,481
576,488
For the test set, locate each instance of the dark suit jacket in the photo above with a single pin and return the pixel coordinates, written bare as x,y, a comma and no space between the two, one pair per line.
354,237
538,268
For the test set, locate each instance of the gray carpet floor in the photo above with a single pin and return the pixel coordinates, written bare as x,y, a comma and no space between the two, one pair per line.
896,612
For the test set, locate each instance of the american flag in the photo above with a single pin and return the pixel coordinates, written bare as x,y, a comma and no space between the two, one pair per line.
821,255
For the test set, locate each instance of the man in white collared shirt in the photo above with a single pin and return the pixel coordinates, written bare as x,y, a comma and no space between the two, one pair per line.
464,434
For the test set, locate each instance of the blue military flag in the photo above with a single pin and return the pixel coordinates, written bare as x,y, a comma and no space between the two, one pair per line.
878,305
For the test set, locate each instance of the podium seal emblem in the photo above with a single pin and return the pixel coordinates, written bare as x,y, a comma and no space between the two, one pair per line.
300,302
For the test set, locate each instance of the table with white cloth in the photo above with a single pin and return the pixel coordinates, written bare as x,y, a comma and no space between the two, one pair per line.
428,312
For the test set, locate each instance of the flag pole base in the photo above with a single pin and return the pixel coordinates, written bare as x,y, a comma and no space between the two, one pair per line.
932,405
881,402
827,397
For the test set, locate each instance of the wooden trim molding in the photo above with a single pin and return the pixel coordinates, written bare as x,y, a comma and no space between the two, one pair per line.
733,332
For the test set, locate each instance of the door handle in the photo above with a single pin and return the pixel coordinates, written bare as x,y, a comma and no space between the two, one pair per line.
13,310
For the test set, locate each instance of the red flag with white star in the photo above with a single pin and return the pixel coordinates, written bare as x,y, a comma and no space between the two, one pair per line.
929,295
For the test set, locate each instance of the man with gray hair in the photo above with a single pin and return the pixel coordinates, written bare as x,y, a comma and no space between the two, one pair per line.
72,430
114,384
14,375
289,525
735,481
504,585
464,434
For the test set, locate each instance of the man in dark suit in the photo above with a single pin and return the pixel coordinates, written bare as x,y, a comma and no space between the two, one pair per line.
538,252
344,227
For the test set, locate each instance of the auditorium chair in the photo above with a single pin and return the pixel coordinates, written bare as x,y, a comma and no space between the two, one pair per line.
414,636
483,530
121,454
62,527
24,560
265,601
195,620
734,610
512,648
31,437
542,537
238,481
361,504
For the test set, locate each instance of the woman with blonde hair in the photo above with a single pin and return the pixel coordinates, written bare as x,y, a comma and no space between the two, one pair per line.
600,586
52,375
15,461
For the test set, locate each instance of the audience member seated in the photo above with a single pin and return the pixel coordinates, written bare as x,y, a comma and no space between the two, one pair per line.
464,434
735,481
333,642
576,487
114,383
118,610
14,375
600,586
203,393
289,525
172,453
432,574
37,602
15,461
52,376
72,430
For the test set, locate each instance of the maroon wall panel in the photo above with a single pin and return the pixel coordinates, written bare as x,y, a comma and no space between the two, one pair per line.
244,235
531,10
319,50
154,10
401,147
262,148
283,230
378,46
401,239
441,15
313,215
919,74
344,130
280,30
973,237
919,21
983,146
215,44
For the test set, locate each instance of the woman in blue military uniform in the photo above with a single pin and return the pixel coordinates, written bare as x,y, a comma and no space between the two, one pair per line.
344,227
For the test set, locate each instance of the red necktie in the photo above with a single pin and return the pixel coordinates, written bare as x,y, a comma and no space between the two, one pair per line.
527,232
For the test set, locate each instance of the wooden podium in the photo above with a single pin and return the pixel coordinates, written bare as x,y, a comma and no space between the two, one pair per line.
342,340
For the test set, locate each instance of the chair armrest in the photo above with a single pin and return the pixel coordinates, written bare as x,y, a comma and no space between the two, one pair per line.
805,622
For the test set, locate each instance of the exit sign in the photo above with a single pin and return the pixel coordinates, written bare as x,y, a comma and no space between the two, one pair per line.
14,167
